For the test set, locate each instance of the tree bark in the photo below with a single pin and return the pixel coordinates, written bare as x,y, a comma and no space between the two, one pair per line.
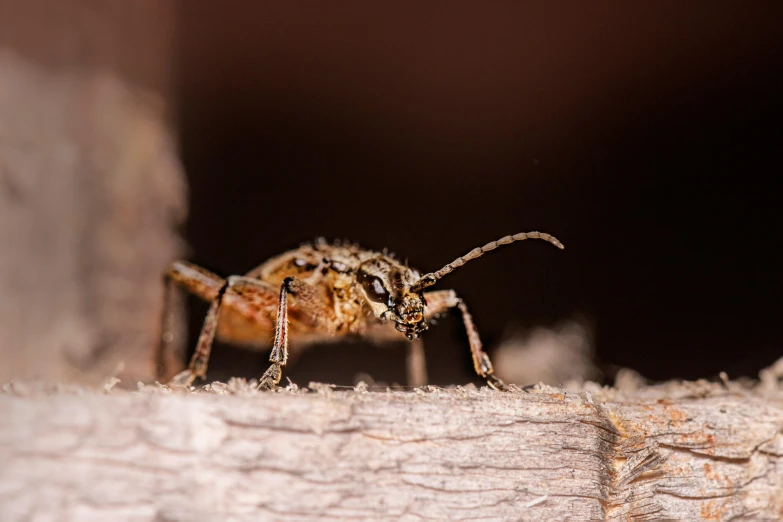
687,451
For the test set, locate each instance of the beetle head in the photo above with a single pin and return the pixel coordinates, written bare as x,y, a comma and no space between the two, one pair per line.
395,292
387,287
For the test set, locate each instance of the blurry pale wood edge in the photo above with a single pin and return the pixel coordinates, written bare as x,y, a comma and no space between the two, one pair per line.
677,451
91,188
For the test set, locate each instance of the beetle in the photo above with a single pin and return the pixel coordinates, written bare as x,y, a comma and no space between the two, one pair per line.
321,291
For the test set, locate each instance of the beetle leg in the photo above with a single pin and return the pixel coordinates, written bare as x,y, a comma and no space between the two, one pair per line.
415,359
248,295
179,276
198,363
279,355
441,301
310,309
416,364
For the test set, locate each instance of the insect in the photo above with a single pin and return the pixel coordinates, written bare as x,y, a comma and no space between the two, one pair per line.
319,291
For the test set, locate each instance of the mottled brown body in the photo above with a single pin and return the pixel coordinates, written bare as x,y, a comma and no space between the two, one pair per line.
316,292
331,271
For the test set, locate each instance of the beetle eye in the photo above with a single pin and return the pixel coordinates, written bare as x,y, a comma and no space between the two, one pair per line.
373,287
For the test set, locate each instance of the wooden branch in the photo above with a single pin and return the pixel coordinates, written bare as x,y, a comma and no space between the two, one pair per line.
692,451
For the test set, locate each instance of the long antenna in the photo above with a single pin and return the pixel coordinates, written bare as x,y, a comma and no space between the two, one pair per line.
433,277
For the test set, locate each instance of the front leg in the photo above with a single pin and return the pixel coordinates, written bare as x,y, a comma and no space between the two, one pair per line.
441,301
279,355
311,310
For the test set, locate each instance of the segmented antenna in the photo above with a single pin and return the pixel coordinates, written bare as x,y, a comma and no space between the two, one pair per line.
431,278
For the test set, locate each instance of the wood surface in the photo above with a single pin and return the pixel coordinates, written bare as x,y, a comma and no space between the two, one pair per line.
680,451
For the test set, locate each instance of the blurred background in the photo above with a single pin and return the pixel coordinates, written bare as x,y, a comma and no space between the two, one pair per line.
646,137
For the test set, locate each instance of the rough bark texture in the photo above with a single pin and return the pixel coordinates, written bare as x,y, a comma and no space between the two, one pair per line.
91,189
692,451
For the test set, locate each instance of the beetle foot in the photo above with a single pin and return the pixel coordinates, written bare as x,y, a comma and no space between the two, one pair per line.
270,378
495,383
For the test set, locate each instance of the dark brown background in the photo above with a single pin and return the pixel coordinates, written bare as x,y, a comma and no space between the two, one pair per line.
647,137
